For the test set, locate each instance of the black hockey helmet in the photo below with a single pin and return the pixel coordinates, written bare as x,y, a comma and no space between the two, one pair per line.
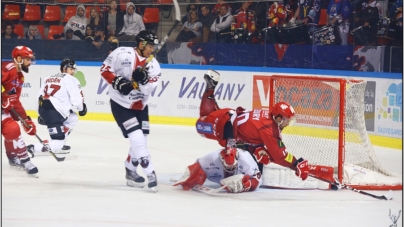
67,63
147,37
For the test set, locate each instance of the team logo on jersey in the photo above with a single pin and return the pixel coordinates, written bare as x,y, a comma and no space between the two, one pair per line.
145,125
203,127
130,123
280,144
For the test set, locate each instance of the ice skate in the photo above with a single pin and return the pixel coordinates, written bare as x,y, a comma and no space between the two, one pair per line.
212,79
29,167
133,179
31,150
15,163
152,181
66,147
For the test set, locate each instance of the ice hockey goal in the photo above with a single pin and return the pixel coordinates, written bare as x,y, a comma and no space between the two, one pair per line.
330,128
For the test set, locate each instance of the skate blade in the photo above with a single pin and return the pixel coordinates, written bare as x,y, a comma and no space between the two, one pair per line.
131,183
154,189
35,175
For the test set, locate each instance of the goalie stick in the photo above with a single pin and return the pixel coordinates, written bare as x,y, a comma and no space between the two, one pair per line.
336,183
59,159
205,189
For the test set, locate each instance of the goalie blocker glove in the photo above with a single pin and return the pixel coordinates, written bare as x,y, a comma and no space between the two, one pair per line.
240,183
140,76
122,85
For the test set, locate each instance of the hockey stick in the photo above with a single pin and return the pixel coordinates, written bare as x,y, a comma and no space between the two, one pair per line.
389,196
59,159
205,189
208,190
164,40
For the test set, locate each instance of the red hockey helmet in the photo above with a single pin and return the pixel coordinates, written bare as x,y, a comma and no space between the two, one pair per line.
284,109
23,51
229,159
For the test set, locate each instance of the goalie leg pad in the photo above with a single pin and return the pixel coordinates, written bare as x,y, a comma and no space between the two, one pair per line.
193,175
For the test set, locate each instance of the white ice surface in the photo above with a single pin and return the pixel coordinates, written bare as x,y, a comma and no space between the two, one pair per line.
92,191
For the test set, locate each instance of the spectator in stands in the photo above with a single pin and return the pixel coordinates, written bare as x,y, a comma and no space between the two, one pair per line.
189,8
95,38
94,19
78,22
69,35
307,12
191,30
244,16
133,24
219,3
207,19
366,20
32,33
113,18
8,31
222,25
338,13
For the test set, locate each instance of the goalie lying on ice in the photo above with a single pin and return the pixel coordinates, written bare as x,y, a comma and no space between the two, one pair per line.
234,168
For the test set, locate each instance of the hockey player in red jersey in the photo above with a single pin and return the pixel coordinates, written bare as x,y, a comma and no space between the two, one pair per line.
259,129
12,80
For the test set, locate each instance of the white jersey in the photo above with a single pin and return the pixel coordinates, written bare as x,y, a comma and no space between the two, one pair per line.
64,91
122,62
213,167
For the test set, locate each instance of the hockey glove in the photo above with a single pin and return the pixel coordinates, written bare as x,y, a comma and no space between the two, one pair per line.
140,76
122,85
41,121
302,168
29,126
84,111
193,175
261,155
8,101
237,183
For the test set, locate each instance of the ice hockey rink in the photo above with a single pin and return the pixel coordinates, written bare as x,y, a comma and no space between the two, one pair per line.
91,190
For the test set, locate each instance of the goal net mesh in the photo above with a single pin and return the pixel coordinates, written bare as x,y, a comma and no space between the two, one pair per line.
315,135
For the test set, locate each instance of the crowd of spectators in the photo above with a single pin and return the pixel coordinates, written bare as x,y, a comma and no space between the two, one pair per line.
358,22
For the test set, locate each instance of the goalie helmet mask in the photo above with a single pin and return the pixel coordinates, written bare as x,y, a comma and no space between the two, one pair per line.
67,63
229,159
24,52
283,110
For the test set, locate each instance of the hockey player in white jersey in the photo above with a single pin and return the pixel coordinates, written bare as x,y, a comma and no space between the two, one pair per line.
57,95
131,80
236,169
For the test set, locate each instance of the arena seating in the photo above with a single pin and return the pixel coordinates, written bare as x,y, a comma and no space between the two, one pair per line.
52,13
32,13
11,12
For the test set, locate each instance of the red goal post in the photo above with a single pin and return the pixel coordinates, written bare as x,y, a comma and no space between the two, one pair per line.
330,128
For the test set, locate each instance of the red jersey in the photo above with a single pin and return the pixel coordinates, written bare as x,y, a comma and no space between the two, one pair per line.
277,15
11,83
241,17
257,127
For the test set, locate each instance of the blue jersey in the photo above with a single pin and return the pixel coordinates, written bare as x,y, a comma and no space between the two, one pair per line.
342,7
